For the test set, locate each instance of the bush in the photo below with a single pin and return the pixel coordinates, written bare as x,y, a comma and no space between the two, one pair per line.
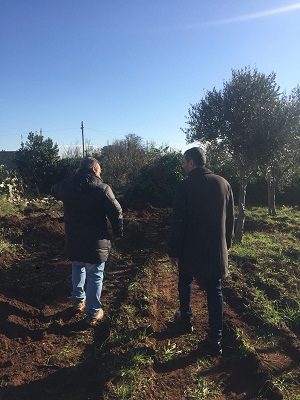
37,161
10,184
156,184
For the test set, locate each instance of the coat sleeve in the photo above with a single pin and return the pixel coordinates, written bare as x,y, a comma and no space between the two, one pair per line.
114,212
230,220
178,226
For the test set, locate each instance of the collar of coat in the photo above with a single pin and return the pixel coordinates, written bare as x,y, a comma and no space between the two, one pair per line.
200,171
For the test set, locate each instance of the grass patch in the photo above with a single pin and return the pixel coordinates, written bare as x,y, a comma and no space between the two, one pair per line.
128,347
203,389
268,258
8,207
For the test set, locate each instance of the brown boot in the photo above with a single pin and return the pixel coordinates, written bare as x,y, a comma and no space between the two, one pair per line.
94,319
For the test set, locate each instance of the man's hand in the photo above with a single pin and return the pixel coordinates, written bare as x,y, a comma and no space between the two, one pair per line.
174,262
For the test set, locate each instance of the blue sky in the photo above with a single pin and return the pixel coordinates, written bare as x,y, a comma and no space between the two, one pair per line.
131,66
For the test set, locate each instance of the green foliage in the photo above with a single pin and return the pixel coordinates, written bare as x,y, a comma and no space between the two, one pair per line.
37,160
290,192
244,118
268,261
6,206
157,181
256,124
10,184
66,167
122,161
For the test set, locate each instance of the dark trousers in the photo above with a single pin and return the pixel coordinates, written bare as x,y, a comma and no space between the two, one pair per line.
215,305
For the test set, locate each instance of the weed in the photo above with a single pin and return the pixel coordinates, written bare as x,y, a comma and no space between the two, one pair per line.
126,315
65,353
265,310
7,207
244,345
9,248
268,338
126,336
119,391
288,384
203,389
169,352
291,315
139,358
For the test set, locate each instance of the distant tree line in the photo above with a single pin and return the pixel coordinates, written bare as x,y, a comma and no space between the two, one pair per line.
138,173
249,129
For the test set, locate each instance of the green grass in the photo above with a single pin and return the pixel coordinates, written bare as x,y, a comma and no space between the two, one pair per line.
264,272
273,250
202,389
8,207
170,352
10,241
8,248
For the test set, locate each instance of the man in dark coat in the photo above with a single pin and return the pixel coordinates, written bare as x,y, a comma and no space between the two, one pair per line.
201,234
88,203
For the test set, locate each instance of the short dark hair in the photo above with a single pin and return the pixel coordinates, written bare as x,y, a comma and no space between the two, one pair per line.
196,154
89,163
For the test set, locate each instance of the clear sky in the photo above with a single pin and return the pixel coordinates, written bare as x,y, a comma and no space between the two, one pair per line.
131,66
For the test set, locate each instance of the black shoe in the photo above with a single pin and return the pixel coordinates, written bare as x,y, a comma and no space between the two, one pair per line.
185,326
209,348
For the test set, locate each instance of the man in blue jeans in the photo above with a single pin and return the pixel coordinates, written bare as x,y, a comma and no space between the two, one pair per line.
88,204
201,234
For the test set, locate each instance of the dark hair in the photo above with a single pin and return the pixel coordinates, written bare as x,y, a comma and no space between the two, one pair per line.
196,154
89,163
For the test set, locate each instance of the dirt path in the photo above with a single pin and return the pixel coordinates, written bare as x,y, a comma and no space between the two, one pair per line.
46,352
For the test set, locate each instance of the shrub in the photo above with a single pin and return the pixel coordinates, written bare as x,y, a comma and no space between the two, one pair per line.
10,184
157,182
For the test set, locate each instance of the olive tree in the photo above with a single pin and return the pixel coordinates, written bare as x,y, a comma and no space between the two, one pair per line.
285,159
244,118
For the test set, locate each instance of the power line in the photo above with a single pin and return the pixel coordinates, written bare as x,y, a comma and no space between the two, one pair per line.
98,130
54,130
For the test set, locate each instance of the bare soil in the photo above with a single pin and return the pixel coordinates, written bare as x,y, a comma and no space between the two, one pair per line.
47,352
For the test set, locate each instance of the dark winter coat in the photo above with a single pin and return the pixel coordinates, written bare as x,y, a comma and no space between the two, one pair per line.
202,225
88,202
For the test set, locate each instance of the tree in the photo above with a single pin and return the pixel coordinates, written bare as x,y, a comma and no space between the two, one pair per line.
122,161
72,151
285,159
244,119
36,161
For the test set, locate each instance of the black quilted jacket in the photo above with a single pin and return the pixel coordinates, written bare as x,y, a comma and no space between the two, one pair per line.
88,203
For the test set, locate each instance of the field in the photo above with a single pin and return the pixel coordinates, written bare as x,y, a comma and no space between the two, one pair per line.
47,352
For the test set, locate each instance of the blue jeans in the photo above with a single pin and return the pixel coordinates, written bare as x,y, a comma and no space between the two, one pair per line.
215,305
92,275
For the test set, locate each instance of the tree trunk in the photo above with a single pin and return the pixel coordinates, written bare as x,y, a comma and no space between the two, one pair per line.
239,228
271,197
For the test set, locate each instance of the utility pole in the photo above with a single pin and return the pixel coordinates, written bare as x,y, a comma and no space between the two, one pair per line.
82,134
